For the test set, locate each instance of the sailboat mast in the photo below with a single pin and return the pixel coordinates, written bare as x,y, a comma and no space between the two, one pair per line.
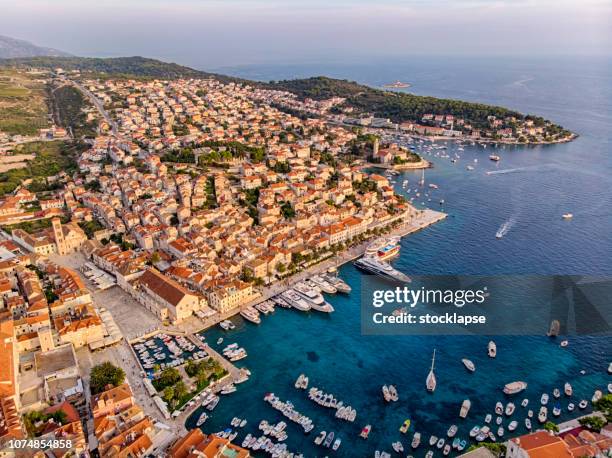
433,359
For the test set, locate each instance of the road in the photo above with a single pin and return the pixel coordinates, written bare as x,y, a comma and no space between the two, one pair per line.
99,106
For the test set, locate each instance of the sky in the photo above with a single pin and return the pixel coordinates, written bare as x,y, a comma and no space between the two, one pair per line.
217,33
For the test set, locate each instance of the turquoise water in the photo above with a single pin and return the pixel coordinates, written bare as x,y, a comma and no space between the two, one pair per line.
545,182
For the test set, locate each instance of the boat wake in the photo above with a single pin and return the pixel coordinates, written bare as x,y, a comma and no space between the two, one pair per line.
503,172
504,228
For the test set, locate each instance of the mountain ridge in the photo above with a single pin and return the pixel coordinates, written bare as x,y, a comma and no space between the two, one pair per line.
16,48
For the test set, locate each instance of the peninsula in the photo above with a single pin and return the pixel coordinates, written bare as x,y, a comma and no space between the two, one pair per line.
345,102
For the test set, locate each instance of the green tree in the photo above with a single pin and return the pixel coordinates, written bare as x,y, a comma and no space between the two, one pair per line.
604,405
168,394
105,374
550,426
593,423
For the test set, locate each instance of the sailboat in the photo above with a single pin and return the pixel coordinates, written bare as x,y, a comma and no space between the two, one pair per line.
430,383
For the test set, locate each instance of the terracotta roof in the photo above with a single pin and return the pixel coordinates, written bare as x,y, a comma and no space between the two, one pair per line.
164,287
542,444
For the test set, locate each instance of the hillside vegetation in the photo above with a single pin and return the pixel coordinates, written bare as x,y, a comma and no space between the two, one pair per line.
397,106
139,67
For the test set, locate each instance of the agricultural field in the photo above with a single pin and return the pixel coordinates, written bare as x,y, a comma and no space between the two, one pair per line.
23,105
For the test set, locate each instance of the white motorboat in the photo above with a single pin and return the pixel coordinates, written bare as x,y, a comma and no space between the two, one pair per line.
469,365
488,418
499,408
452,431
510,409
543,414
512,426
525,402
323,284
202,418
340,285
320,438
250,314
527,423
492,349
465,408
514,387
567,388
416,440
583,404
544,399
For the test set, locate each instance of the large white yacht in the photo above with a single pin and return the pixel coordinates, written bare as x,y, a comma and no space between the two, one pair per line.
381,268
314,298
324,285
295,300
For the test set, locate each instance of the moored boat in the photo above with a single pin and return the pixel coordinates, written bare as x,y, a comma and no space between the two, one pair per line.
465,408
514,387
492,349
381,268
416,440
329,439
365,432
405,426
430,382
202,418
469,365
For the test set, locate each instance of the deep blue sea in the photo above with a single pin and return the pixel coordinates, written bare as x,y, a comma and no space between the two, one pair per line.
537,186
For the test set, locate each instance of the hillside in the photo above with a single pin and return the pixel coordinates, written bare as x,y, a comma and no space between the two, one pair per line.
135,66
12,47
398,106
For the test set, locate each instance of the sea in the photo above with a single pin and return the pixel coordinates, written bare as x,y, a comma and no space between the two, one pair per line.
530,189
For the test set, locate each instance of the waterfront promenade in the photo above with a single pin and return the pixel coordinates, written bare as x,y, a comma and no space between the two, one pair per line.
421,220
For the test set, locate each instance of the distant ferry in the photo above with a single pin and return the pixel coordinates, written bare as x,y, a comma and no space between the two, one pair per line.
384,249
397,85
381,268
